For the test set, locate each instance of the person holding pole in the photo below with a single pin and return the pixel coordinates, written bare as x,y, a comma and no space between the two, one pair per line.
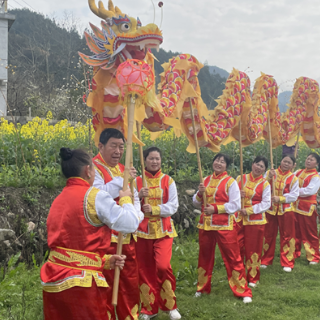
281,215
159,201
79,233
256,194
305,209
217,226
109,177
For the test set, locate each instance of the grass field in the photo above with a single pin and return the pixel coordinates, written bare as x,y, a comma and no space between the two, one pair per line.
279,295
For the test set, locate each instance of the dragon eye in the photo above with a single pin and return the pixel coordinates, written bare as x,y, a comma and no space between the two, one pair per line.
125,27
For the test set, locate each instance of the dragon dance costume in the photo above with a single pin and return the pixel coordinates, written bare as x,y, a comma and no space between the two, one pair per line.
74,286
154,246
251,227
305,209
110,179
223,193
281,215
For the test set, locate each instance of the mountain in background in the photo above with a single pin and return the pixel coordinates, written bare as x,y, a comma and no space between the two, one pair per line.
221,72
283,100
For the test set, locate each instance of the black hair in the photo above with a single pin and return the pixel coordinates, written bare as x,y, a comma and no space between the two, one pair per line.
293,159
317,157
225,157
108,133
72,161
151,149
261,158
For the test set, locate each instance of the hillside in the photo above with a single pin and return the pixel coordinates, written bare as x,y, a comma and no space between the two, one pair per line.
45,73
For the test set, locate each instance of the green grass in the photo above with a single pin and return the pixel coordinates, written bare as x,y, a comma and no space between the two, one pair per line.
279,295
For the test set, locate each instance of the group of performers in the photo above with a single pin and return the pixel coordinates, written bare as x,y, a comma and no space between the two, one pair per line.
246,233
241,216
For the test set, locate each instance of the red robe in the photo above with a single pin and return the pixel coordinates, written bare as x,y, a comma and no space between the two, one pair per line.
78,241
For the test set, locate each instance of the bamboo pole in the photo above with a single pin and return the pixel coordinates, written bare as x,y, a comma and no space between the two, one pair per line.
131,181
271,155
142,161
197,151
241,162
130,109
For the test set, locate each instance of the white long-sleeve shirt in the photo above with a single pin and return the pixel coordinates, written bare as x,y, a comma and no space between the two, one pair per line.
113,187
123,218
234,203
171,206
312,188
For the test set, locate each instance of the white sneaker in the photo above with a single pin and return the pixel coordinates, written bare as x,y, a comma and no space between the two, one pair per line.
313,262
252,285
174,314
247,300
263,266
287,269
197,295
144,316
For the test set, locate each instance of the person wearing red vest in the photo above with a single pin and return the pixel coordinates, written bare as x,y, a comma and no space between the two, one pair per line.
305,209
217,226
251,220
159,202
109,177
281,215
78,227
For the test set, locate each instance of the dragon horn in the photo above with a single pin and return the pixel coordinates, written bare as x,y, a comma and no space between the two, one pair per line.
118,11
104,12
111,6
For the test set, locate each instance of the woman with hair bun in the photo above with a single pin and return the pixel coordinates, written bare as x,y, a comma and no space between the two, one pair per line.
78,228
217,226
281,215
305,209
251,221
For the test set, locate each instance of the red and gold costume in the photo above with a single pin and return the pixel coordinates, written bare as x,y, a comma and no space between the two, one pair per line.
251,227
74,286
110,179
281,215
305,209
154,247
223,193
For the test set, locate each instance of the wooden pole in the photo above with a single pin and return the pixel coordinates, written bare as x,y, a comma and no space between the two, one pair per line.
297,146
142,161
131,182
271,155
241,162
197,151
130,109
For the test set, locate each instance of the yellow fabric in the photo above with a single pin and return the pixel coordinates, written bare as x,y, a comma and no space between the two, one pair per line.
107,263
156,211
221,209
90,212
125,200
249,211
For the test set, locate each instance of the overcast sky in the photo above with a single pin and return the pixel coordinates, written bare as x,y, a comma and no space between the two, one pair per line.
280,38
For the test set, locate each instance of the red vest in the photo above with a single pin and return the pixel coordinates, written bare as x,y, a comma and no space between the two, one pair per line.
150,228
283,182
217,193
254,190
306,205
78,240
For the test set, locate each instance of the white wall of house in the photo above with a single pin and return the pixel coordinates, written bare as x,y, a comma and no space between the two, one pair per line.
6,21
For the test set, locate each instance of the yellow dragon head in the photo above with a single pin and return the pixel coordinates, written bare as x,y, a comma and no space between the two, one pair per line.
120,38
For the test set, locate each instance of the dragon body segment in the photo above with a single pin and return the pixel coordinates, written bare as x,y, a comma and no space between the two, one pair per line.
122,37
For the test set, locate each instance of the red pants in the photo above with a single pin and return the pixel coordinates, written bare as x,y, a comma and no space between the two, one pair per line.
157,282
286,224
128,297
308,236
297,252
76,303
228,245
250,239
